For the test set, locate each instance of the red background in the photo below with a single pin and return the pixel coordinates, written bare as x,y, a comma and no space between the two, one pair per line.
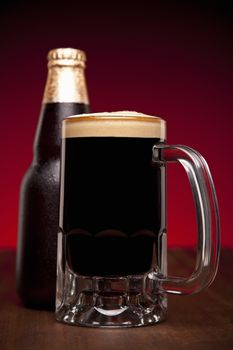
170,60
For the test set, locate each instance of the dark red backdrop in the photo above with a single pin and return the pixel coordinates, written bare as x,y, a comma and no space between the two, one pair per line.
169,60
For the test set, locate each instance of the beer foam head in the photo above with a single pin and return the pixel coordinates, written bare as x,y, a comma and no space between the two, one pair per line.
114,124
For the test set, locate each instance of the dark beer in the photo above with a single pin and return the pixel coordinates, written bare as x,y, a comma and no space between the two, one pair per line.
113,203
65,94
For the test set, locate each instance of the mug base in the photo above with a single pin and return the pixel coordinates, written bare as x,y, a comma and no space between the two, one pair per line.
95,317
111,302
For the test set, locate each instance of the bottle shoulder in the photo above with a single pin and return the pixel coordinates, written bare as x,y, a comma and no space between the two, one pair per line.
42,175
47,140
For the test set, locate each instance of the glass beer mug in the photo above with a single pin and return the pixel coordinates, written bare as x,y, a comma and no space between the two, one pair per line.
112,244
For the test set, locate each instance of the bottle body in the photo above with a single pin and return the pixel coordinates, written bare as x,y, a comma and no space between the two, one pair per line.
39,207
36,252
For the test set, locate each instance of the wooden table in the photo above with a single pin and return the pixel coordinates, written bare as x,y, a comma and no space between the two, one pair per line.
199,322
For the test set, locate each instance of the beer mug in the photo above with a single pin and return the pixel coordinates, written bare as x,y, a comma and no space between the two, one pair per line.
112,242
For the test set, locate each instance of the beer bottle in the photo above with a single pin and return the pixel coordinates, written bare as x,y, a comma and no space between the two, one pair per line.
65,94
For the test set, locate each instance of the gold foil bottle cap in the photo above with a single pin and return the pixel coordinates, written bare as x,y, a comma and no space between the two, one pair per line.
66,78
66,57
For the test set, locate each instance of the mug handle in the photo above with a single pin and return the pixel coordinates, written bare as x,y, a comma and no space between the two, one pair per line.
208,222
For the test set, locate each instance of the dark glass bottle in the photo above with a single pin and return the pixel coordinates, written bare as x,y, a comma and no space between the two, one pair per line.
65,94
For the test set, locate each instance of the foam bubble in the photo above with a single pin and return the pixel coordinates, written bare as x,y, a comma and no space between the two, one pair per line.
114,124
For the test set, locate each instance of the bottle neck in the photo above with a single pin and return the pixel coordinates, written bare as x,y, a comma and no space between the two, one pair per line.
66,84
65,94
